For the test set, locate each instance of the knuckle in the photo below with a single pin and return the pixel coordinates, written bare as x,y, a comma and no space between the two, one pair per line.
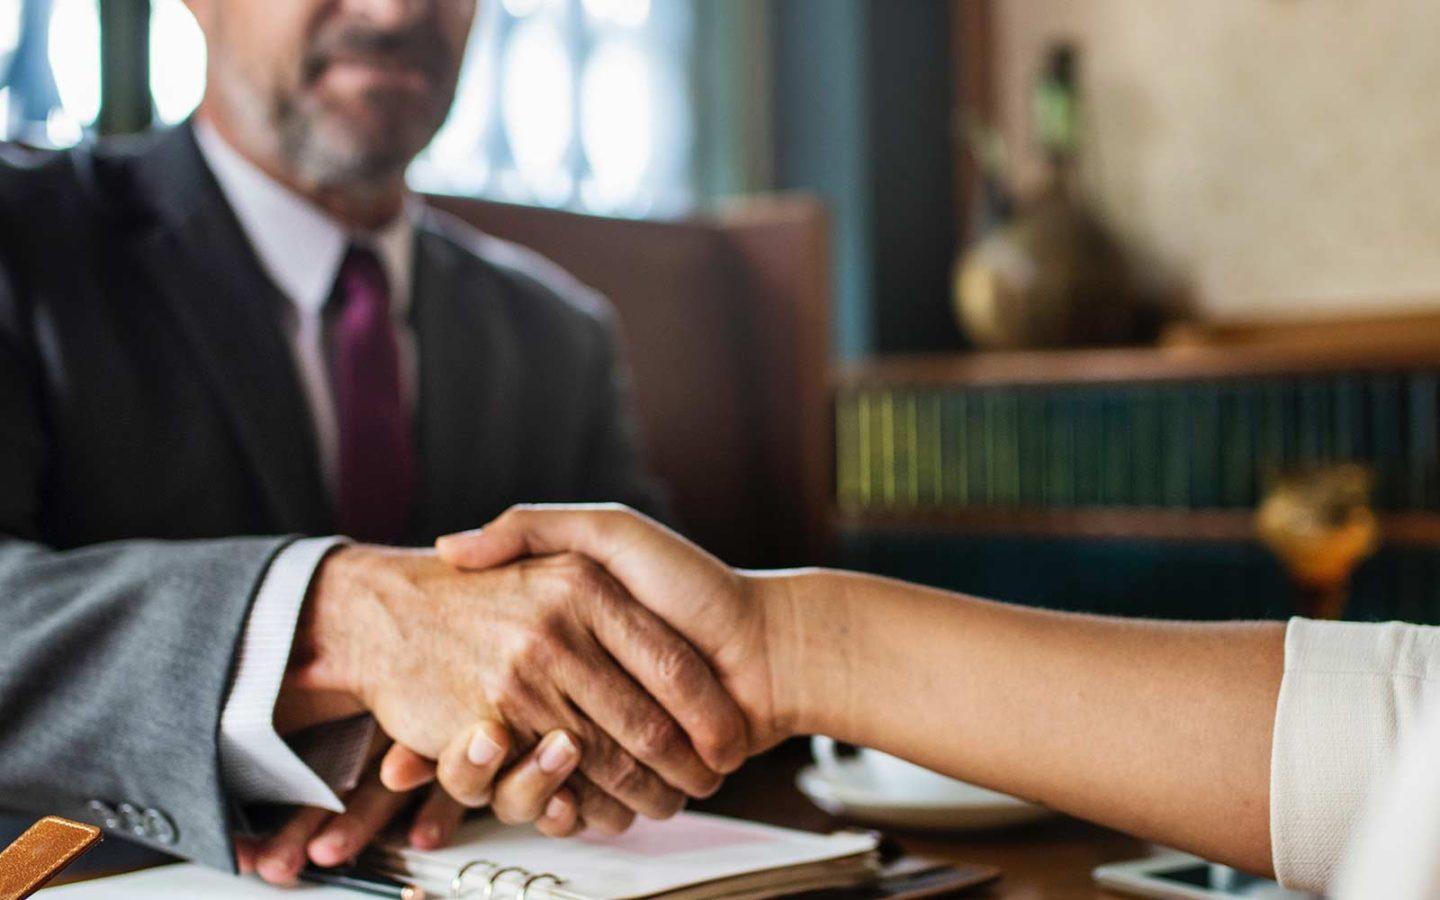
678,665
512,690
578,574
636,782
658,738
720,735
622,773
540,646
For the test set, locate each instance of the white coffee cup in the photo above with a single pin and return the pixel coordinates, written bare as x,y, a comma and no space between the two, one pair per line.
888,776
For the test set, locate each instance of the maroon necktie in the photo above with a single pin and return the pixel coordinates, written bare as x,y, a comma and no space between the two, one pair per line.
377,473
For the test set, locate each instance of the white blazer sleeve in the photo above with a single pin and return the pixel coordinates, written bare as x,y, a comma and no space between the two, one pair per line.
1351,692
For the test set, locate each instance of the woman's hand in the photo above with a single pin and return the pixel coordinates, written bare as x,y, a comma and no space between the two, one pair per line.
737,621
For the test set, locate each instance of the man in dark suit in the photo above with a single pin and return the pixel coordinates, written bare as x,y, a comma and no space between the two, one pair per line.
224,347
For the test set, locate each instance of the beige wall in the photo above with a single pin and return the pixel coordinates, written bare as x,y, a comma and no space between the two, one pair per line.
1283,156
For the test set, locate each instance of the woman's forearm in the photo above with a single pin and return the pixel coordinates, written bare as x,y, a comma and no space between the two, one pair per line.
1159,729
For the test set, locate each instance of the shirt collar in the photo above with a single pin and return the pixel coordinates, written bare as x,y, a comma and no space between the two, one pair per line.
298,244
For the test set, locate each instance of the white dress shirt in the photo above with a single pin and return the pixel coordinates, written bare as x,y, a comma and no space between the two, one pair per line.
300,248
1395,852
1351,695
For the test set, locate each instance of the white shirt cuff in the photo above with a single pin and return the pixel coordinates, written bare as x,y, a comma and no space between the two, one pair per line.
1350,693
257,765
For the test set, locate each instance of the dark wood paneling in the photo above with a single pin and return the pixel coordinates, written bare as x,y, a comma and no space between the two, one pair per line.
726,319
1145,364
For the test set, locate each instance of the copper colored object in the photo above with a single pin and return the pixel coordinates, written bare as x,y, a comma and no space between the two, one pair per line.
39,854
1320,524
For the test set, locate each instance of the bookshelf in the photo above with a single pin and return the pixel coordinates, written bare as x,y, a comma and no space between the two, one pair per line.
1230,526
1169,443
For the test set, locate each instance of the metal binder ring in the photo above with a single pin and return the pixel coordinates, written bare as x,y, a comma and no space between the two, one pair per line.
457,884
495,876
525,888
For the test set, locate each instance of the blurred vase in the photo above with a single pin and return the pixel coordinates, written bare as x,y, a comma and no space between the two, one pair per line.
1052,276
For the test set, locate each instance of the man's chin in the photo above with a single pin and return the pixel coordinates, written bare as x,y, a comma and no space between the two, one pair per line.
376,143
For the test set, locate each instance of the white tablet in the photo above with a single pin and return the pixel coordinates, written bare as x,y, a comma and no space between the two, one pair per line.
1179,876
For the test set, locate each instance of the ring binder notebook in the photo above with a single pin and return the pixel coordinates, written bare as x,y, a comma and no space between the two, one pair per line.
458,883
690,857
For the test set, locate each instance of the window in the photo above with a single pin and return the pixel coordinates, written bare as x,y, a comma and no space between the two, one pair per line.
583,104
177,61
49,70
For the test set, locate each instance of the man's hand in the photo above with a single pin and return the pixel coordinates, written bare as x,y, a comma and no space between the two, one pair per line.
394,786
537,645
734,619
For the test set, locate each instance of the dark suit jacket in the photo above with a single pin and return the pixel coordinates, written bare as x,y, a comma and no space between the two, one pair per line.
156,453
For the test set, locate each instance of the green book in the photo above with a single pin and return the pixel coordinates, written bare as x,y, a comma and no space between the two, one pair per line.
1145,447
1316,433
932,438
1424,450
1271,458
953,435
909,437
1089,447
977,453
1003,419
1204,402
897,459
1060,448
1387,440
1349,418
1175,448
1117,463
847,449
1032,462
876,437
1239,411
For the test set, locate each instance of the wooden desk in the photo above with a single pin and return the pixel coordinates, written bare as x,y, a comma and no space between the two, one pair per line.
1050,860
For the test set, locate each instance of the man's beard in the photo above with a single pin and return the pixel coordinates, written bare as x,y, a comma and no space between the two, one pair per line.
326,149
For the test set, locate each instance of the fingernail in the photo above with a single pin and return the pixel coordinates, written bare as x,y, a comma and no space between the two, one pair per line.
279,865
556,808
558,753
427,837
331,848
482,751
451,539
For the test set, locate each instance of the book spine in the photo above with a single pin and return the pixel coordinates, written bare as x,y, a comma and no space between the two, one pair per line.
954,437
848,453
977,455
1146,448
1116,486
1032,449
1387,439
1175,447
1182,445
1424,451
1059,490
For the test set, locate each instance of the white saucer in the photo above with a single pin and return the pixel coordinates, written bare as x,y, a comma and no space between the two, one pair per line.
974,809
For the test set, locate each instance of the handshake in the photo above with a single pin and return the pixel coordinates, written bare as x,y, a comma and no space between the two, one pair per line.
570,666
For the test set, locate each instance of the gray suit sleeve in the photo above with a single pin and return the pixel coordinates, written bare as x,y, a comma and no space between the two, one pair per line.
617,470
115,658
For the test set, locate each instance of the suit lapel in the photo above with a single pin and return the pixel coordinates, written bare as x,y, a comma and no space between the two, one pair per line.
229,310
469,391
